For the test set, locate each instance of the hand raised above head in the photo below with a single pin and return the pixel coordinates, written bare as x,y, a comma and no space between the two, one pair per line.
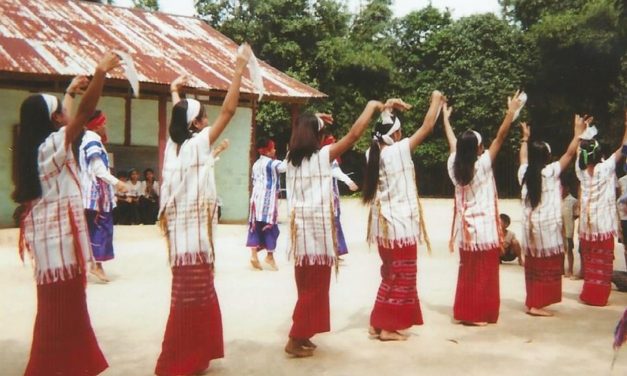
109,62
78,85
326,118
244,52
397,104
447,110
525,130
179,82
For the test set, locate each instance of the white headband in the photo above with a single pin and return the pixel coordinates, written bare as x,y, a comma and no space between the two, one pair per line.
386,118
548,146
193,110
478,137
320,123
51,102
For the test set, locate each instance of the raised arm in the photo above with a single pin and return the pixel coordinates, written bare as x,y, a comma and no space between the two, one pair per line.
524,142
579,126
513,105
90,99
448,129
222,146
77,86
175,88
429,122
358,128
618,154
232,96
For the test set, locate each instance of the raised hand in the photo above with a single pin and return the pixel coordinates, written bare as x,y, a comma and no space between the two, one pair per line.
244,53
396,104
515,103
352,186
446,111
581,123
326,118
179,82
78,85
108,62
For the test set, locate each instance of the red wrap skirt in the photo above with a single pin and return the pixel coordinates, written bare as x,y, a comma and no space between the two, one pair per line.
477,297
543,279
598,262
311,313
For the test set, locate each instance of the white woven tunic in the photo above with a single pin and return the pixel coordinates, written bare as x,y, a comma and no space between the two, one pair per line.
97,183
394,216
310,200
54,230
476,220
265,193
598,217
542,226
188,200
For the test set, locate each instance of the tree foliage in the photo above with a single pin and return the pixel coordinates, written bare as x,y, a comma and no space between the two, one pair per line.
147,4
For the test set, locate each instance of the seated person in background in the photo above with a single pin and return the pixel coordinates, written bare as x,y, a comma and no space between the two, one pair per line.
134,191
149,199
120,212
511,247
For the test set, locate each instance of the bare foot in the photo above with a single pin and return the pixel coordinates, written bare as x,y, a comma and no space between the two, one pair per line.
296,350
474,323
374,332
391,336
99,273
271,263
538,312
308,345
256,265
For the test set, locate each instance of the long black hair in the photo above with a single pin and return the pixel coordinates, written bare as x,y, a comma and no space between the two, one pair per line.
305,139
590,153
179,129
539,156
371,179
465,157
34,127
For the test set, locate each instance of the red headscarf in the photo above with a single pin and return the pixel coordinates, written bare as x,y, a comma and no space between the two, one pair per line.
266,149
328,140
97,121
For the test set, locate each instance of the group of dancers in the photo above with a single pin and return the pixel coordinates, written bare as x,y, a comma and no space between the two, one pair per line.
54,227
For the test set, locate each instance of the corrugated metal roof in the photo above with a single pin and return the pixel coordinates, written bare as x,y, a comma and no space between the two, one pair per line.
63,37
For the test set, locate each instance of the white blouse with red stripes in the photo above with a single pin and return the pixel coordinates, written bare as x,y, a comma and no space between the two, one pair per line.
54,230
476,223
598,216
542,226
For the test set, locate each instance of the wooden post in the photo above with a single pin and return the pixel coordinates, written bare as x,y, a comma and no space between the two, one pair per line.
127,121
295,113
163,129
252,152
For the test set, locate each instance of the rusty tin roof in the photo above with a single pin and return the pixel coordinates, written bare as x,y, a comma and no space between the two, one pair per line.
66,38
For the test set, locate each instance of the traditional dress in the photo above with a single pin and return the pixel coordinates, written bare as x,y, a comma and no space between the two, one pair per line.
338,174
542,240
477,233
394,224
597,227
188,213
97,185
54,233
263,231
312,241
149,202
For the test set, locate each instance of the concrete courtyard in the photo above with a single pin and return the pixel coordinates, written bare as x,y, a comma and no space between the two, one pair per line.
129,313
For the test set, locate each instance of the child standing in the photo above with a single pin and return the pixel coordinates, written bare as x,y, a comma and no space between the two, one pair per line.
54,231
543,242
570,212
394,221
263,230
598,223
475,226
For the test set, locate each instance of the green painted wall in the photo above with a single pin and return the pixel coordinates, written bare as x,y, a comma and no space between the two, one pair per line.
10,101
232,170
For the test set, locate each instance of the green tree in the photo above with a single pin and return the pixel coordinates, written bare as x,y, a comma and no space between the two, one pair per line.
147,4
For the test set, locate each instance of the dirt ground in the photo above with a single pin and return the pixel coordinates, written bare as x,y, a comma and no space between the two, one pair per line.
129,313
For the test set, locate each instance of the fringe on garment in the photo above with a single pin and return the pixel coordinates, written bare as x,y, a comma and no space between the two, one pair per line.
44,277
423,226
595,237
335,242
397,243
196,258
316,260
546,252
301,260
481,247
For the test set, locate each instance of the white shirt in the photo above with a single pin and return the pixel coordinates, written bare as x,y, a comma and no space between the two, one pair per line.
54,229
94,165
570,210
265,193
542,225
476,224
310,200
188,200
134,189
598,220
395,219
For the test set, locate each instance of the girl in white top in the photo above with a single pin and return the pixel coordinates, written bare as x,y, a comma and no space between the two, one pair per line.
312,231
476,229
54,230
542,240
395,221
188,217
598,223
